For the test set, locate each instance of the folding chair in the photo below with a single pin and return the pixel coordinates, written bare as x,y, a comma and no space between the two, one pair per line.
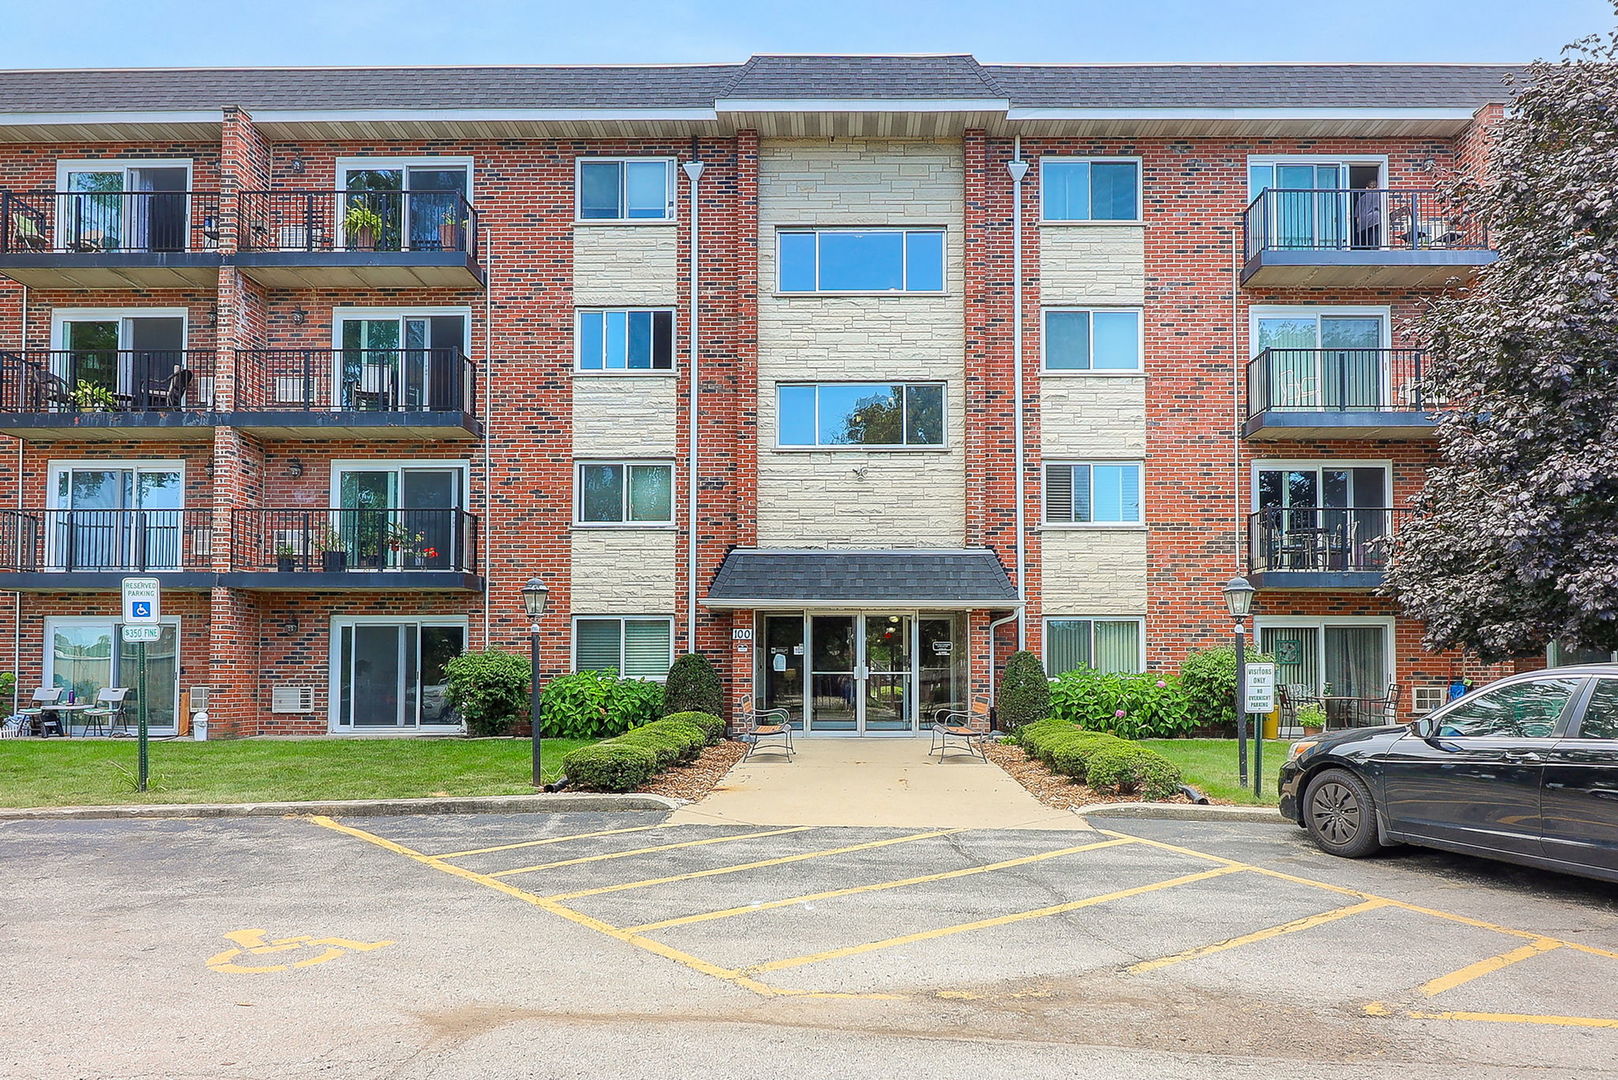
768,724
957,724
108,712
42,697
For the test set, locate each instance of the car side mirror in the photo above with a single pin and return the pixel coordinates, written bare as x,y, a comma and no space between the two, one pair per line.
1427,728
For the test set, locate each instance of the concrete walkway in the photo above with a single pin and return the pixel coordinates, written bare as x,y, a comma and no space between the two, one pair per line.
835,781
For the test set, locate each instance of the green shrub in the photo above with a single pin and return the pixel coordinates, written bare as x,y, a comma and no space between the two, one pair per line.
672,740
712,726
598,704
1134,705
1209,679
693,686
610,766
1024,694
1105,762
489,689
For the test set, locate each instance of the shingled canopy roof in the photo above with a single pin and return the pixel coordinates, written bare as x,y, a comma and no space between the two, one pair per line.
956,579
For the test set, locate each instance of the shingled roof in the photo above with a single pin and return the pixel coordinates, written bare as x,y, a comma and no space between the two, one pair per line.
772,77
970,577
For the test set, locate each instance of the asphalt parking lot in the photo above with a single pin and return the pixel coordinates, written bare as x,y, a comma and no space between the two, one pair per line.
619,945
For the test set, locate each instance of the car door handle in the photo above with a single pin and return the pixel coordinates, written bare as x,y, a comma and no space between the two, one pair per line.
1523,757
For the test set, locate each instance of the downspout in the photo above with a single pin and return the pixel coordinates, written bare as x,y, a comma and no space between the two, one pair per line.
994,625
693,172
488,412
1018,169
1236,368
16,597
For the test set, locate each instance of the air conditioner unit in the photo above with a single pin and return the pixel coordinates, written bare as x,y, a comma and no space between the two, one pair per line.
292,699
1424,699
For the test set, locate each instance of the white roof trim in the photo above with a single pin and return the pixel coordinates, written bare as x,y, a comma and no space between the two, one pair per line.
1175,113
339,116
862,105
169,116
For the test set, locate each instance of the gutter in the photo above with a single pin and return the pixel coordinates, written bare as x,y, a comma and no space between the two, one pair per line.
693,172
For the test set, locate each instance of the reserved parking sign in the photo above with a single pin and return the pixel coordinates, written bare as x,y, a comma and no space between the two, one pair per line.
143,600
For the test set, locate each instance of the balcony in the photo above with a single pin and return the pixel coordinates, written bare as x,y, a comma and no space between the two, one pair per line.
400,394
333,548
1320,547
43,550
358,240
1359,238
1339,394
105,394
110,239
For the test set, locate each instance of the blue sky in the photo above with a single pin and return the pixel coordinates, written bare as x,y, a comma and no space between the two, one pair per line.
147,33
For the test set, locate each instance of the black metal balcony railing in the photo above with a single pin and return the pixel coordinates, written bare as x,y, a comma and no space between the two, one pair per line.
355,380
1364,219
86,222
1338,380
106,380
1322,539
343,539
319,221
105,541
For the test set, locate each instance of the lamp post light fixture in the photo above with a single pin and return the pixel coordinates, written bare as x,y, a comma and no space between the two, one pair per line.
534,595
1239,602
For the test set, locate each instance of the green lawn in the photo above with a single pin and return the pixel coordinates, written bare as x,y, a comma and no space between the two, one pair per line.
71,772
1210,766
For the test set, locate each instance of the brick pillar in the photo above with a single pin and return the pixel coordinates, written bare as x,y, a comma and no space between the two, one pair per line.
233,677
738,670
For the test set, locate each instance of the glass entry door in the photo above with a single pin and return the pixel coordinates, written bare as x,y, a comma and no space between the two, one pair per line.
87,655
865,673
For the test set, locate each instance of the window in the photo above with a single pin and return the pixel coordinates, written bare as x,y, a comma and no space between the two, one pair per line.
626,190
621,493
1564,655
411,204
1345,660
1098,494
392,515
638,648
1080,189
626,340
385,359
861,414
114,205
1326,359
1104,644
861,260
1601,714
1525,710
1088,340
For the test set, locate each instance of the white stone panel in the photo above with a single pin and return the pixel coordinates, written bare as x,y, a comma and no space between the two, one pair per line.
1093,572
623,571
1092,264
624,415
1092,416
625,265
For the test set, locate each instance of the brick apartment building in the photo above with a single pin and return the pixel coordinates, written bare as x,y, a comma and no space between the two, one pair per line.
730,356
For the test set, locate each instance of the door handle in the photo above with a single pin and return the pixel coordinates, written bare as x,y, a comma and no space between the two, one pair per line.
1523,757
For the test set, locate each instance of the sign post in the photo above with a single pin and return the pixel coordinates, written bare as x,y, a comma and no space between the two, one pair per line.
143,622
1259,697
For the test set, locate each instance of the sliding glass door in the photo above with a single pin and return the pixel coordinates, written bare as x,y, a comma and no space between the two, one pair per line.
390,675
419,207
401,516
110,517
87,655
130,358
400,362
1324,361
123,208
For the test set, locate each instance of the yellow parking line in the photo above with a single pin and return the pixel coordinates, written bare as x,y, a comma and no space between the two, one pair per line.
547,840
1377,1008
781,860
649,850
1486,967
984,924
831,894
1258,935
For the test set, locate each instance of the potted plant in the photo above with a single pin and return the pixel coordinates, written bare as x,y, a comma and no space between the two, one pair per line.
333,554
1312,718
286,558
403,544
362,226
370,557
449,231
88,397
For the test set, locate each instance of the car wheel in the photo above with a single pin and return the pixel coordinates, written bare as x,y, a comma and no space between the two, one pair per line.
1339,814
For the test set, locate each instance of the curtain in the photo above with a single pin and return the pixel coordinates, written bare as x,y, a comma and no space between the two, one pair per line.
1067,645
1356,661
1297,655
1117,646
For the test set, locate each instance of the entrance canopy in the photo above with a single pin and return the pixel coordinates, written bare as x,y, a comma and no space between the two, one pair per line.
958,579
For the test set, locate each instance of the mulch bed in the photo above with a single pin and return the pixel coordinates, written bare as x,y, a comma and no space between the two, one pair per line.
695,780
1050,788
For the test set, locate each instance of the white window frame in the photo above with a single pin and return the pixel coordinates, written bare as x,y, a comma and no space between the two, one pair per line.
1317,466
1092,370
60,317
1321,622
1345,160
882,448
1045,524
341,166
394,465
341,315
671,213
578,494
57,466
633,373
904,259
1140,635
334,695
1140,188
573,640
1259,312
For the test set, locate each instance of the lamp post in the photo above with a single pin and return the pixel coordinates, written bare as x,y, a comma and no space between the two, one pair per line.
1239,601
533,604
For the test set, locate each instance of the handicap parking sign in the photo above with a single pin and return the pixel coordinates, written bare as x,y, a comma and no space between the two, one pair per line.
142,600
141,609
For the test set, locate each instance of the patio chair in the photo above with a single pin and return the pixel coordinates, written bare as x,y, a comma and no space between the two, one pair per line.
43,697
956,724
772,725
108,712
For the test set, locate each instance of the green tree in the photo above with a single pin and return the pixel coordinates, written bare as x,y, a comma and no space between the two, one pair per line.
1511,543
489,689
1024,693
693,686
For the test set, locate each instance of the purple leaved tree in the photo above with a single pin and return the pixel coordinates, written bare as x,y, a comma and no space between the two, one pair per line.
1514,539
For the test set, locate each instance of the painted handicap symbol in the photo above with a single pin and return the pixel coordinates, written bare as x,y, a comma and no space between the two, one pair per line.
254,943
141,609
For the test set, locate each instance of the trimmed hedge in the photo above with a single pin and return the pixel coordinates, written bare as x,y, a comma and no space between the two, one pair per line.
711,725
693,685
1108,764
1024,694
626,762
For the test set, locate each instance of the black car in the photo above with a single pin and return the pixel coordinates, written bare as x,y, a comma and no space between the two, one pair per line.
1525,769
